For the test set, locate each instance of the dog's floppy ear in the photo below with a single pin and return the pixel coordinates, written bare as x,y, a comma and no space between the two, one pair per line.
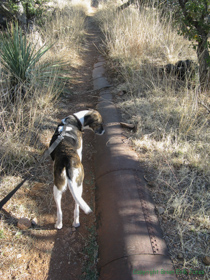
88,119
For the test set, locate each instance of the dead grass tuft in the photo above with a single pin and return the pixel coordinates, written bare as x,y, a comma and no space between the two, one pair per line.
172,122
26,126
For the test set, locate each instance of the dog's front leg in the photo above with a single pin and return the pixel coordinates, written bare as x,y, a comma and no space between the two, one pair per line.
57,196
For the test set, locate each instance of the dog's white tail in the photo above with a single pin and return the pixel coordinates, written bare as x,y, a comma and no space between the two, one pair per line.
78,198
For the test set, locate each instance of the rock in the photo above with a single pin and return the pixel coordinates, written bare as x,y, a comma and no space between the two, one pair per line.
21,15
94,3
171,211
170,69
24,223
180,256
184,68
206,260
160,210
122,92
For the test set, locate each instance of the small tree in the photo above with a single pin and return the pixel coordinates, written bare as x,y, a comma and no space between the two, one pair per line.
195,24
193,15
24,10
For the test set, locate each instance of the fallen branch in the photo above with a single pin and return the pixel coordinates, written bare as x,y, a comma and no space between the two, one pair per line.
201,103
128,125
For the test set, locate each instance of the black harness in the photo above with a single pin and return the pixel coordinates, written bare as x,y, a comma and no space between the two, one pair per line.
59,135
62,131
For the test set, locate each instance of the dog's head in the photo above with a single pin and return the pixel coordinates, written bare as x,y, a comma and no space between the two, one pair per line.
93,120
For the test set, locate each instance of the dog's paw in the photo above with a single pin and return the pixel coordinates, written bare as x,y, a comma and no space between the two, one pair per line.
76,224
59,225
87,210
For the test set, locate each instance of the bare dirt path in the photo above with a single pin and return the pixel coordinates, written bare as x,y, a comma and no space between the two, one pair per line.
67,257
68,253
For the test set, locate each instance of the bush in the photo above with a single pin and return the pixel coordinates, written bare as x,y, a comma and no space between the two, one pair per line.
21,58
18,56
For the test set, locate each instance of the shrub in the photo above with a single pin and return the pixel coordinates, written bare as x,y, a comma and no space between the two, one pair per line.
18,56
21,58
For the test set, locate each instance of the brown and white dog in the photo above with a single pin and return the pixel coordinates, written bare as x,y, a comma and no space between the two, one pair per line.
67,157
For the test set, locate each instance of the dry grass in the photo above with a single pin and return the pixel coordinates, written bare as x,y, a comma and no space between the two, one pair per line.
65,26
172,135
26,128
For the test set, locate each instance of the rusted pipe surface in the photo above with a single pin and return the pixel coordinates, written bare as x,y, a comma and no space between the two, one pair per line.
130,241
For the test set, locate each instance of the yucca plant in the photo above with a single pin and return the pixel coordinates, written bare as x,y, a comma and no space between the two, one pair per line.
18,56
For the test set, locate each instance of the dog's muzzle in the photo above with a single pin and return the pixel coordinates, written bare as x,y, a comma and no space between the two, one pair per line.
100,131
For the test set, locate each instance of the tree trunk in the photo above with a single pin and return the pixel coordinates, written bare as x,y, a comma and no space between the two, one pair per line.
125,5
21,15
202,30
9,14
94,3
203,60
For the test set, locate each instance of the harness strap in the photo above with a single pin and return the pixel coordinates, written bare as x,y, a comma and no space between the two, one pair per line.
52,147
57,141
46,153
4,200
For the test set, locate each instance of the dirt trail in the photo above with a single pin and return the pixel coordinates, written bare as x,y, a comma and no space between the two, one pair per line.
57,254
67,258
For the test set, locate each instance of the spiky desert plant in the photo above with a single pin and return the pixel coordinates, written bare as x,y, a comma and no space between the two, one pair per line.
18,56
21,60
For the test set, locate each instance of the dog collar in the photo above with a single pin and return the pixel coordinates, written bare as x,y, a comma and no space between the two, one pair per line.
79,123
74,118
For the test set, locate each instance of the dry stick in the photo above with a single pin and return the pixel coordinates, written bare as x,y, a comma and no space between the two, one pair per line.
200,102
168,185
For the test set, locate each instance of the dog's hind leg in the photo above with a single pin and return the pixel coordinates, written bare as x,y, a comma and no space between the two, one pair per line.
57,196
76,222
60,183
75,184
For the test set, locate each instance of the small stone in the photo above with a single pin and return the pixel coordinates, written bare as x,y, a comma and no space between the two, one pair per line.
24,223
171,210
206,260
122,92
152,184
180,256
160,210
